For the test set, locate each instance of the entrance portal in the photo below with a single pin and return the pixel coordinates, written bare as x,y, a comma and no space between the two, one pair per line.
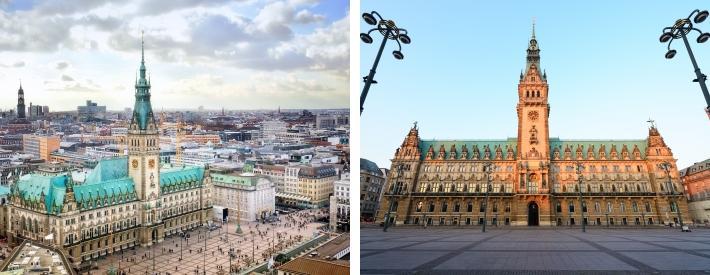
533,214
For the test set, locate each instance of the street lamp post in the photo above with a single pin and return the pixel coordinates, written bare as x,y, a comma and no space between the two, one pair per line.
153,248
666,166
394,194
580,167
607,219
680,29
488,169
204,252
390,31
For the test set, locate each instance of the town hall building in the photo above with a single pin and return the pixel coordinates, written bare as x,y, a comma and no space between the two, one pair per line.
535,177
123,202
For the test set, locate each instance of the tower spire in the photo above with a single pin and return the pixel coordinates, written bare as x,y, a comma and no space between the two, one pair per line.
533,57
143,55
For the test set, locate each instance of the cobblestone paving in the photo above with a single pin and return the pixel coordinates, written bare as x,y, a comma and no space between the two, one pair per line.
534,251
167,262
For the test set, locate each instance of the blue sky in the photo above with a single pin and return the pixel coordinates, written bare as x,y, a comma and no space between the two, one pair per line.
606,70
247,54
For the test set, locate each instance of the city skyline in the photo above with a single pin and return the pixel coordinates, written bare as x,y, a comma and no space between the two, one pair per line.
221,54
605,80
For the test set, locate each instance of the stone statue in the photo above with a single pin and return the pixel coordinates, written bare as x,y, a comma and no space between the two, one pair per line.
533,135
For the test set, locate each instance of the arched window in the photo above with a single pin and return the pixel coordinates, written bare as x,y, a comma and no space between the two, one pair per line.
538,93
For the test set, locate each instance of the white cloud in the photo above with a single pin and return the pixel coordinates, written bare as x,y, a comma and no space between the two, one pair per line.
263,51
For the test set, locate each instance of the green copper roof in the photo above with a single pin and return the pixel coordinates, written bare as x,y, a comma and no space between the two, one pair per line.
554,143
107,184
235,179
142,110
181,178
608,144
436,144
33,186
109,169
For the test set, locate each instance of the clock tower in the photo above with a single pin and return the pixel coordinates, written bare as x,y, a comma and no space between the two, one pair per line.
143,156
533,134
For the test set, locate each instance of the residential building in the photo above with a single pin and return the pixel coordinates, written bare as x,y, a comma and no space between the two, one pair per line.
372,181
40,146
342,196
696,182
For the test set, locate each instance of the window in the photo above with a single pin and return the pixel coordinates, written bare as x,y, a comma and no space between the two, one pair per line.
431,206
571,207
444,205
423,187
457,207
469,207
608,207
495,207
481,207
635,207
622,207
419,206
584,207
558,207
459,187
596,207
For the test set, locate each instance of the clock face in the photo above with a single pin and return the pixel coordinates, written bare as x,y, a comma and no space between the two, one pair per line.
134,163
151,163
533,115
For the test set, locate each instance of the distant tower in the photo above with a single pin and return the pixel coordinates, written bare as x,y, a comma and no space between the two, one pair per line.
20,102
179,134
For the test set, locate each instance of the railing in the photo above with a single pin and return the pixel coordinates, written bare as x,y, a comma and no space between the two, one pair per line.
289,254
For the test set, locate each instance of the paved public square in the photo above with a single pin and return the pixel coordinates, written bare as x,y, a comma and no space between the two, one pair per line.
267,237
534,250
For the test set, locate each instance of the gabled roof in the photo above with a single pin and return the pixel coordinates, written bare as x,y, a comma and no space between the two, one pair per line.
32,186
561,144
179,175
480,143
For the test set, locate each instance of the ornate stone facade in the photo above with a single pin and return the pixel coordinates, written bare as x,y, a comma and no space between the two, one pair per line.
696,182
535,181
123,202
